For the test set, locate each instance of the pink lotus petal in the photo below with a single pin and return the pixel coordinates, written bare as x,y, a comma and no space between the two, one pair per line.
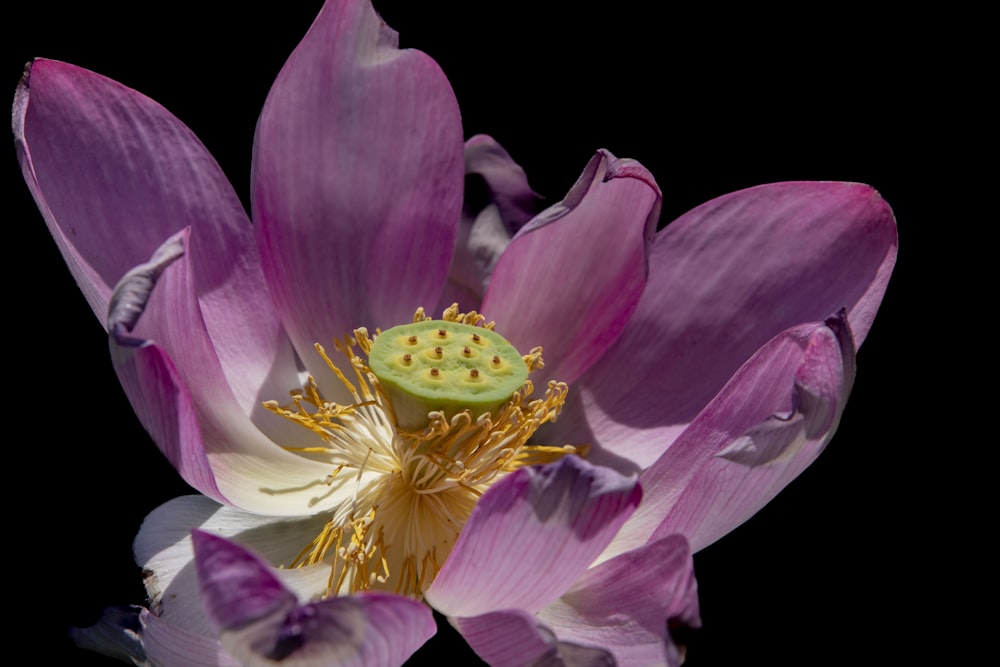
531,536
357,179
115,174
571,278
514,638
767,425
261,622
725,278
627,604
179,392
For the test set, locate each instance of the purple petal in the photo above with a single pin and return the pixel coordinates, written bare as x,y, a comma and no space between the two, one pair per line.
531,536
357,179
261,622
571,278
498,202
513,638
724,279
767,425
627,605
114,174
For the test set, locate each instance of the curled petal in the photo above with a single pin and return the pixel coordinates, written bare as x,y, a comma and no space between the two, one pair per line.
591,246
531,536
261,622
179,391
114,174
725,278
514,638
628,604
357,179
767,425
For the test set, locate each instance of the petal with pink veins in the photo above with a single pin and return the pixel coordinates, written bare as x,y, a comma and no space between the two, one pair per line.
531,536
725,278
177,388
357,179
572,277
627,605
514,638
764,428
114,174
261,622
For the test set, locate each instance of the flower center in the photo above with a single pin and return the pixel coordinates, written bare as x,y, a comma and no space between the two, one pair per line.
441,410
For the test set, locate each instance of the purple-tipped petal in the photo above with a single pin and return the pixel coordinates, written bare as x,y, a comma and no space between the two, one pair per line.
260,621
114,174
498,202
765,427
357,179
531,536
513,638
571,278
628,604
724,279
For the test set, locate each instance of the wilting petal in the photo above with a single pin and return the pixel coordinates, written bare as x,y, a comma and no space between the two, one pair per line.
531,536
498,202
572,276
357,179
114,174
168,645
626,604
765,427
260,621
179,392
725,278
514,638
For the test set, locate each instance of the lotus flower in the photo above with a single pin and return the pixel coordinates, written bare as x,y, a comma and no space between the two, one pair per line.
684,376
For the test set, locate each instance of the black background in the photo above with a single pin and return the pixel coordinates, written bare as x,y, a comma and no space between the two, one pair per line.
849,565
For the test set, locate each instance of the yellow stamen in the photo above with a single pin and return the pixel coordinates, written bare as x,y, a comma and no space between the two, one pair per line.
410,491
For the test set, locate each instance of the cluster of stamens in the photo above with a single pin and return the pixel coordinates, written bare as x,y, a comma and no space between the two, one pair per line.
419,445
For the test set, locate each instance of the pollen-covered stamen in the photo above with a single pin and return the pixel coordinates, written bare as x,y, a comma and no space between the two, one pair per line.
401,494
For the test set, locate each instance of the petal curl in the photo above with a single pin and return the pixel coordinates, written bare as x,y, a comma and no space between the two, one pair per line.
628,604
724,279
357,179
261,622
572,277
531,536
114,174
767,425
178,389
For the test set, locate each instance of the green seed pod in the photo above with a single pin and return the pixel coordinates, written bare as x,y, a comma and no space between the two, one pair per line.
446,366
